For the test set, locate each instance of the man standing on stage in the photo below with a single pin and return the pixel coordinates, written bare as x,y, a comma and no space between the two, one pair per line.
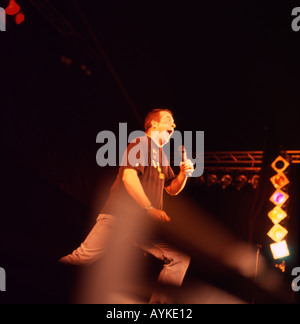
138,194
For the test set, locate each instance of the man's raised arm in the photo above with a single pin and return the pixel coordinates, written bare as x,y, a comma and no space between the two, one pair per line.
179,182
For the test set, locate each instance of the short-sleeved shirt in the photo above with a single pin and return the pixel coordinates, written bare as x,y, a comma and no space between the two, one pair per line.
154,171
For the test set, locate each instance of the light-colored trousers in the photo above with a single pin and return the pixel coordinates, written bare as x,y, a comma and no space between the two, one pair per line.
95,245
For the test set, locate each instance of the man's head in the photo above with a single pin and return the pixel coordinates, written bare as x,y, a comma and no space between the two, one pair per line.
160,123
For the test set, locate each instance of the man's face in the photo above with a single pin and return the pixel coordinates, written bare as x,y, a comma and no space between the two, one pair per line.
165,126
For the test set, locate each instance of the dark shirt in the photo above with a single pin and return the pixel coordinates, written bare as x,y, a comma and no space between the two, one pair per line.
154,172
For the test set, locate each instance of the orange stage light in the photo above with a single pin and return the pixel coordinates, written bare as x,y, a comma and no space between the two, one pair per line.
280,180
280,164
277,233
277,215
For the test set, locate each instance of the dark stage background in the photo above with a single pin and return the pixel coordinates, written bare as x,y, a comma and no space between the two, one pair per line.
229,68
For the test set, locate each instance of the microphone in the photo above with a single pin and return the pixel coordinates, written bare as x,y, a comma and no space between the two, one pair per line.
182,152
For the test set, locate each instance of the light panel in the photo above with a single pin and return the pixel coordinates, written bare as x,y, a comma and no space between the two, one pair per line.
277,215
279,197
280,250
277,233
280,164
280,180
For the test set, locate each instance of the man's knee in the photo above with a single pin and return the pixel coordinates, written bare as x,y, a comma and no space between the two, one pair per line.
182,259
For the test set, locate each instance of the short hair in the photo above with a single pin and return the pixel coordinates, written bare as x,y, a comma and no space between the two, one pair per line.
154,115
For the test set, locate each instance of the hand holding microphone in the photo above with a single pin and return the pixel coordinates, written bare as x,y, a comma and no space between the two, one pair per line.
186,165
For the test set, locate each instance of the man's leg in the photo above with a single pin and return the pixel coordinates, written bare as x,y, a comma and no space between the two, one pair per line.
175,267
94,245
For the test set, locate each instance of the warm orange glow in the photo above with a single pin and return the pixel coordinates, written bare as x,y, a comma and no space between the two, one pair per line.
280,180
19,18
277,233
277,215
279,198
280,250
280,164
13,8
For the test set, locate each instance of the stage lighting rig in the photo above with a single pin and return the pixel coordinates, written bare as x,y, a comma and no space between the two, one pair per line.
212,180
226,181
254,181
241,181
277,233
